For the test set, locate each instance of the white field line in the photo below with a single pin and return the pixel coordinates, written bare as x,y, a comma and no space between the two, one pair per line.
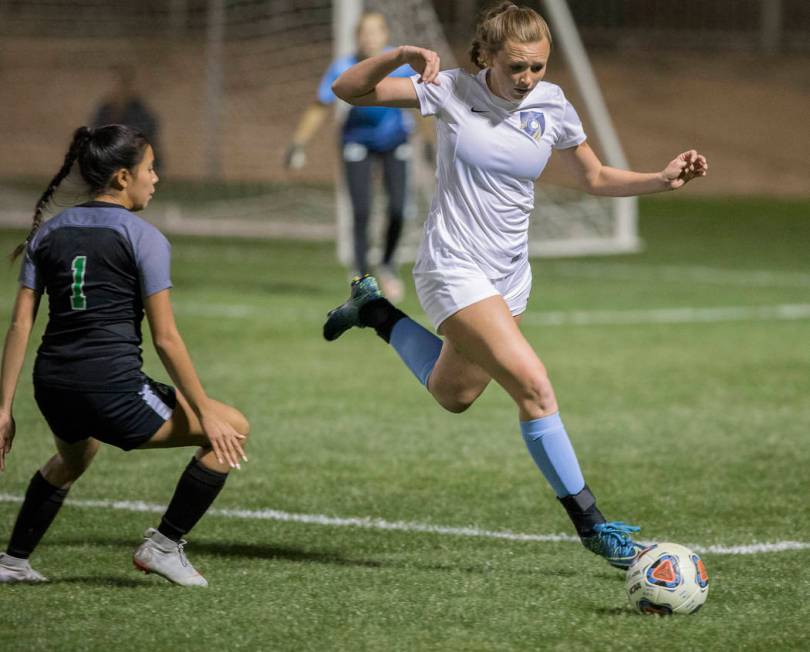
679,274
370,523
684,315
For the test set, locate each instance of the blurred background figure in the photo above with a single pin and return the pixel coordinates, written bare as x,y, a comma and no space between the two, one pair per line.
124,106
368,134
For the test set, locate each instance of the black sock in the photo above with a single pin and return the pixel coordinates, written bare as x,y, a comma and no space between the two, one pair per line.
381,315
40,507
196,490
582,511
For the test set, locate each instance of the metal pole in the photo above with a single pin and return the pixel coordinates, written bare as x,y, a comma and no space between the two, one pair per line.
770,25
214,94
178,16
345,16
577,59
466,14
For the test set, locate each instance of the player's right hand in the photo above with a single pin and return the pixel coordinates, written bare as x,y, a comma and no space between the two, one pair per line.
425,62
7,430
294,157
225,441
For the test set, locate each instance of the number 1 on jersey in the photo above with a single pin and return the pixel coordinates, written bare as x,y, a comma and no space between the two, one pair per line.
77,299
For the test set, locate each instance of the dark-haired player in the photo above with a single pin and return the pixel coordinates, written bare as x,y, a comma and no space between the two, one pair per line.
103,267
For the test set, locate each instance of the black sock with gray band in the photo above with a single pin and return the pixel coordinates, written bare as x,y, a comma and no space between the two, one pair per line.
196,490
582,511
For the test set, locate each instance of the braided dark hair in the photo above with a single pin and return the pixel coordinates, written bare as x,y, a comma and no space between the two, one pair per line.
100,153
502,22
81,137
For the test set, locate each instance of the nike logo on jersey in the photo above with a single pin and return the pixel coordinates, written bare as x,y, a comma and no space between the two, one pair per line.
474,110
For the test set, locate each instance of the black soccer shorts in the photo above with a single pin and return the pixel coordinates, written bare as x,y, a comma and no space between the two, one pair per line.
122,419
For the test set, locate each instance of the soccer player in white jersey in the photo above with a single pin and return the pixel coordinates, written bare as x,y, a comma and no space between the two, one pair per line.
496,131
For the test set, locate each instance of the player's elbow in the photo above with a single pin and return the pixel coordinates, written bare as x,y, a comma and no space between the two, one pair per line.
166,341
348,93
20,326
591,183
341,90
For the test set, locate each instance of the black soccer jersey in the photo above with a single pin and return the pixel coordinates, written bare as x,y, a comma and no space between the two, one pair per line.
97,262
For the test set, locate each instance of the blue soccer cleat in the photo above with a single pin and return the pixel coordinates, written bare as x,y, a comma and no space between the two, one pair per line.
612,541
347,315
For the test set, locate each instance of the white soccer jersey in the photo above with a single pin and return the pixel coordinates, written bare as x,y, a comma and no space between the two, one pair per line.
490,151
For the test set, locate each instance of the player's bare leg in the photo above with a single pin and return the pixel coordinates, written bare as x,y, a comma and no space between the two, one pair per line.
487,335
483,341
456,382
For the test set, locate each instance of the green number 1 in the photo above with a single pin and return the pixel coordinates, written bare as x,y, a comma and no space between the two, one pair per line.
77,299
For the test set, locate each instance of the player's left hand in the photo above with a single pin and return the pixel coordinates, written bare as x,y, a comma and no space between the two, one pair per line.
225,441
295,158
425,62
683,168
7,430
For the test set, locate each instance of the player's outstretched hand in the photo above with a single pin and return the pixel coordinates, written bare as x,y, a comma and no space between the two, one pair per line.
7,430
685,167
225,441
294,158
425,62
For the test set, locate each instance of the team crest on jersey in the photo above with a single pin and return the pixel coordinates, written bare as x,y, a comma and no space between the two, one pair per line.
533,123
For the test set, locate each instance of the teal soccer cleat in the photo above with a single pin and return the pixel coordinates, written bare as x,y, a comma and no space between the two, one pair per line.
612,541
347,315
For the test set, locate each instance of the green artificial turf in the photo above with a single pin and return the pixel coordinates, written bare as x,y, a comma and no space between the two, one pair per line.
697,431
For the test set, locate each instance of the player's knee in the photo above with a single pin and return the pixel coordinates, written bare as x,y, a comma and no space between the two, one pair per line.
456,401
61,471
537,394
454,405
240,423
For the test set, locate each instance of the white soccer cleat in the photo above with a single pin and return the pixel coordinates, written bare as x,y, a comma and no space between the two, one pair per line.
160,555
13,569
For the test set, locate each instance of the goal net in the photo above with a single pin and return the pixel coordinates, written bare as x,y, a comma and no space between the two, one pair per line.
227,81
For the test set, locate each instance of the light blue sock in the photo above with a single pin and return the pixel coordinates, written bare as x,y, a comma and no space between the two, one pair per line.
551,449
417,346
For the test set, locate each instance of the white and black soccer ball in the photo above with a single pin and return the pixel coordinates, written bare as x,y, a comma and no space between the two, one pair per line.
667,578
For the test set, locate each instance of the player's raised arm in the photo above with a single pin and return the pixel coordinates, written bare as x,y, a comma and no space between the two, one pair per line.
367,82
598,179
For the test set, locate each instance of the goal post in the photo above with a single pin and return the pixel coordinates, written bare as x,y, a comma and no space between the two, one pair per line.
565,222
624,209
228,82
411,22
346,14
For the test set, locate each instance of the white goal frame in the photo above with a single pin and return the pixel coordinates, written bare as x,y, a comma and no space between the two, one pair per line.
623,233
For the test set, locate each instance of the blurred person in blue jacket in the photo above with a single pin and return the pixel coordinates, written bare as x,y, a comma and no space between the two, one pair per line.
368,134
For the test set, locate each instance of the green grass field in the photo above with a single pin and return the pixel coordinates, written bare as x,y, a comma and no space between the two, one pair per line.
683,375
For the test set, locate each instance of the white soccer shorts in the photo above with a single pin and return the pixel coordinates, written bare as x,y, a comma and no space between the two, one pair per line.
443,292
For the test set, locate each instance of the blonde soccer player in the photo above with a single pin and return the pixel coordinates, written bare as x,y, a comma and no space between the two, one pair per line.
496,131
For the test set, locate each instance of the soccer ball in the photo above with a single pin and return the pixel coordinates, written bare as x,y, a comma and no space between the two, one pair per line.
667,578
